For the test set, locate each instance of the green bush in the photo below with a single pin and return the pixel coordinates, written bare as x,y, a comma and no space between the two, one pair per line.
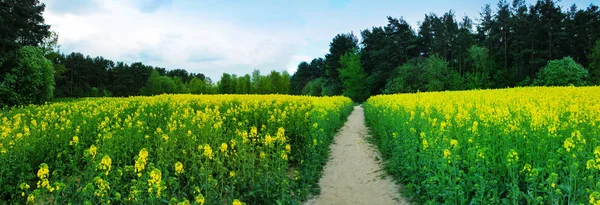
314,87
562,72
26,77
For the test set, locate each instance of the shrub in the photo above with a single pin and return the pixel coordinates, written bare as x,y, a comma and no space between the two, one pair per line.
26,77
562,72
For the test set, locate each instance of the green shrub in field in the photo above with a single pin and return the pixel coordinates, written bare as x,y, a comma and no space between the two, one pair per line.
562,72
27,77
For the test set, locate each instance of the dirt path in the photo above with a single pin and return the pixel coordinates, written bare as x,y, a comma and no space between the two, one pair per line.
352,176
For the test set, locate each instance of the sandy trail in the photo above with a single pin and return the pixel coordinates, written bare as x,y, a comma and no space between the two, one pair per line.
352,176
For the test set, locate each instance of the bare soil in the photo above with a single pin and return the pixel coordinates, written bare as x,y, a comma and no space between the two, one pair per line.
353,175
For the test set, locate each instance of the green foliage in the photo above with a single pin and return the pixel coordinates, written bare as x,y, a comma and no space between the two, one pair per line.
436,73
27,77
430,74
483,66
314,87
353,77
21,24
339,46
406,79
198,86
562,72
225,84
594,68
158,84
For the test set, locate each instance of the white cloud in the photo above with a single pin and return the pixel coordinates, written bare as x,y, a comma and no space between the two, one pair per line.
121,32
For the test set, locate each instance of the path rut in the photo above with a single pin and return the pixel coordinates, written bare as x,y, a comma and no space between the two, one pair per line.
352,175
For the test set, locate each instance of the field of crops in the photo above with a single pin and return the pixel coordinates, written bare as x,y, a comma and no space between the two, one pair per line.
523,145
187,149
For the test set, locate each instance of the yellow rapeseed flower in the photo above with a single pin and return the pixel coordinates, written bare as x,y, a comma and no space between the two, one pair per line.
512,157
178,168
207,151
223,147
200,199
447,153
595,198
105,164
453,142
262,155
74,141
140,161
93,151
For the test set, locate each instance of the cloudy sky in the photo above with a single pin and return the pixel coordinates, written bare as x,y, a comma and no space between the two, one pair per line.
235,36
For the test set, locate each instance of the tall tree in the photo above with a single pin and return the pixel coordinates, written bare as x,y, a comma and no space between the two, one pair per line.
594,67
465,40
300,78
353,77
340,45
21,24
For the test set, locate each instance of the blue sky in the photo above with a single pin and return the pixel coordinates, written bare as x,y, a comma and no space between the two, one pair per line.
236,36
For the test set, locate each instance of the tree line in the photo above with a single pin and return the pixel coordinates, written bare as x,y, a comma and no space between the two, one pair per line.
33,70
509,45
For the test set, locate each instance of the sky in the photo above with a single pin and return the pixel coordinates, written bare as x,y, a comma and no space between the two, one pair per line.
232,36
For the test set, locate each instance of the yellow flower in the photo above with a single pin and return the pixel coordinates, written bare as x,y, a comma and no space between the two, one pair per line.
253,132
288,147
262,155
155,182
526,167
223,147
231,174
93,151
453,142
590,164
425,144
447,153
200,199
269,140
207,151
43,172
236,202
595,198
474,127
105,164
178,168
74,141
512,157
102,187
284,156
30,199
140,162
568,144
